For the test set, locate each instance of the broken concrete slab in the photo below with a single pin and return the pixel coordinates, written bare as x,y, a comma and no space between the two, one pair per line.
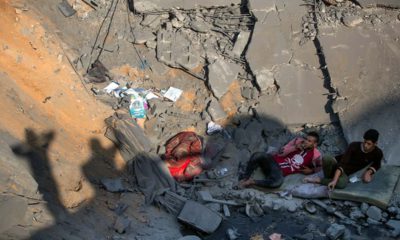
221,75
296,103
12,210
379,3
240,43
378,192
142,6
200,217
215,111
351,56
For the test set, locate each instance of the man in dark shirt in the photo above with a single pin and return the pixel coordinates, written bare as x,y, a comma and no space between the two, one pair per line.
357,156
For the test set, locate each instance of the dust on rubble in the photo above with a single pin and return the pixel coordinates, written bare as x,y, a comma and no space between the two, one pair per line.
39,90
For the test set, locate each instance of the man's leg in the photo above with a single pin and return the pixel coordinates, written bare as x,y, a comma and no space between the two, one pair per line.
272,171
329,168
252,165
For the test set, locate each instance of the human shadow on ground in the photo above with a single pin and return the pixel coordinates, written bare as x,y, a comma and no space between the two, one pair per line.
68,225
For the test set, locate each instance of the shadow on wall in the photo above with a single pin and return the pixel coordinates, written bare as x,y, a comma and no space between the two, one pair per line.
385,117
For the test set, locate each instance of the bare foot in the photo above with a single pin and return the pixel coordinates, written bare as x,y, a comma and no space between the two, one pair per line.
245,183
312,180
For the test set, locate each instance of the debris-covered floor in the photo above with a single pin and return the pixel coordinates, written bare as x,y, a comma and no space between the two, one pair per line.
95,89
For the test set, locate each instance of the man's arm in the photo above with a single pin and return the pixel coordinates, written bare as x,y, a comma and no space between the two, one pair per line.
335,179
371,170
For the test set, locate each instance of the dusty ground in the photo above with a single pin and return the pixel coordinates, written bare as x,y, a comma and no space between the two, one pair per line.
52,125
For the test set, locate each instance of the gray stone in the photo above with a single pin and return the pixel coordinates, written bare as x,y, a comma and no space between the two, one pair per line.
215,110
143,35
190,237
12,210
66,9
352,21
382,3
121,224
240,43
265,79
214,206
356,214
221,74
364,207
374,213
291,206
232,234
247,92
355,78
176,23
200,26
227,213
335,231
151,21
393,210
394,224
142,6
372,221
296,103
199,217
310,207
151,44
113,185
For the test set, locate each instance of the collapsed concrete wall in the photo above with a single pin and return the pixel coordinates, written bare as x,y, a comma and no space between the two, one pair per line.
364,67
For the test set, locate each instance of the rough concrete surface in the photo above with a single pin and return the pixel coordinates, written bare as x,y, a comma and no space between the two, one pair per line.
368,85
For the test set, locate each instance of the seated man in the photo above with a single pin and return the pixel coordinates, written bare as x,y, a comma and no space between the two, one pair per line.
357,156
298,156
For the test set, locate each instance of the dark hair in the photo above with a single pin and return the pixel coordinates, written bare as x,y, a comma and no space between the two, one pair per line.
315,135
372,135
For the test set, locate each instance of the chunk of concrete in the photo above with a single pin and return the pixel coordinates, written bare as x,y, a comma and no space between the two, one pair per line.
215,110
142,6
143,35
121,224
200,217
240,43
374,213
296,102
265,79
352,56
221,74
335,231
352,21
12,210
379,3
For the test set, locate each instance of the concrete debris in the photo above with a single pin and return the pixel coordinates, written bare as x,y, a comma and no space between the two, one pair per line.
190,237
379,3
374,213
232,234
66,9
240,43
395,225
335,231
143,35
113,185
200,26
121,224
356,214
227,213
309,207
352,21
364,207
199,217
221,74
265,80
215,110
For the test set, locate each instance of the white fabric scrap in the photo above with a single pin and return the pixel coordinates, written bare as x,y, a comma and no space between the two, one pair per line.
173,94
111,87
213,127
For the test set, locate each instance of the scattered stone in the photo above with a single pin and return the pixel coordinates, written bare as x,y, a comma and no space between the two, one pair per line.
176,23
265,80
310,207
356,214
392,210
258,209
151,21
291,206
221,75
200,26
199,217
143,35
335,231
372,221
121,224
394,224
151,44
66,9
352,21
276,205
190,237
374,213
227,213
364,207
215,110
113,185
240,43
232,234
307,236
214,206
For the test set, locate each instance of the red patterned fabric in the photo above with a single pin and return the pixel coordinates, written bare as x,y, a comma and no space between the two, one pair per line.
183,156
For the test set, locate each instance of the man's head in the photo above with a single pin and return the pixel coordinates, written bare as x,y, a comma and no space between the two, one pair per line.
312,140
370,140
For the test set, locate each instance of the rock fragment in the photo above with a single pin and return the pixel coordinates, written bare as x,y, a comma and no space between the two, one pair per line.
221,75
215,110
121,224
374,213
335,231
352,21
